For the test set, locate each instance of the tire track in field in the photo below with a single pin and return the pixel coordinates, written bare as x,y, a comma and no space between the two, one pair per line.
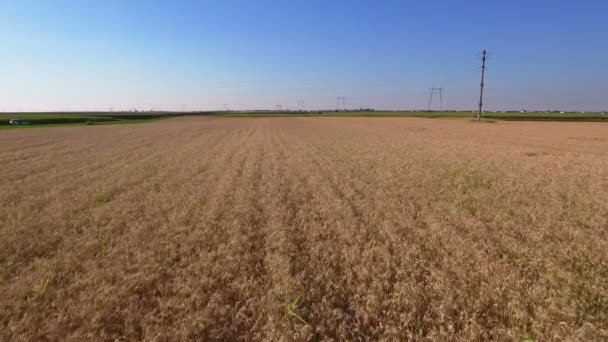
248,237
361,235
229,242
324,279
287,210
316,266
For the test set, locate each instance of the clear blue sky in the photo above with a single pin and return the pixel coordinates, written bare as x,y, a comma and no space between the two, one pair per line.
91,55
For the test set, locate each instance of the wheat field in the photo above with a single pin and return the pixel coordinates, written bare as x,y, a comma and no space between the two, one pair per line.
305,229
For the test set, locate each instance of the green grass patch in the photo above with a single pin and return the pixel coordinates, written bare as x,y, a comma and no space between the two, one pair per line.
45,119
293,309
533,116
101,118
60,120
2,274
102,197
343,114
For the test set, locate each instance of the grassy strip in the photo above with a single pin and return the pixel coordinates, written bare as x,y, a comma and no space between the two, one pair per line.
71,118
497,116
96,123
39,119
45,119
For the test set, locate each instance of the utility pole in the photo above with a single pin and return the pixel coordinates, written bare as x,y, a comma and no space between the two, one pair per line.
483,71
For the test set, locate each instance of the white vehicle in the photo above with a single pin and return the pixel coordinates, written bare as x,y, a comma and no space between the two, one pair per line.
18,122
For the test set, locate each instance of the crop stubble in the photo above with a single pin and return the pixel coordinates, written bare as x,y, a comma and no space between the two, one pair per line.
303,228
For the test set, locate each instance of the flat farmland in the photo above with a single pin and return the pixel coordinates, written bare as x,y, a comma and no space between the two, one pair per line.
305,229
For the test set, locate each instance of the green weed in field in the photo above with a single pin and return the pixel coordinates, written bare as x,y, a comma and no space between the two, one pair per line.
102,197
292,309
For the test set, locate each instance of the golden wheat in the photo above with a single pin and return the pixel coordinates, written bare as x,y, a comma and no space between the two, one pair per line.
304,229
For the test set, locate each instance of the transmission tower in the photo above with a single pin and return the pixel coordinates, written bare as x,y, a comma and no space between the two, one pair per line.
340,103
433,91
301,106
279,107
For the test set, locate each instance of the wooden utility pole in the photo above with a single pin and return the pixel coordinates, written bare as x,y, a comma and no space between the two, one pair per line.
483,71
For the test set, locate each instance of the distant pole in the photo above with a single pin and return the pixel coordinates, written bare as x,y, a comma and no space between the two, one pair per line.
428,108
483,71
441,99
